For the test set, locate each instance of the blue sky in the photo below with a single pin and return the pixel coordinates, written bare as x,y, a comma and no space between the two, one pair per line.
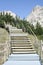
21,7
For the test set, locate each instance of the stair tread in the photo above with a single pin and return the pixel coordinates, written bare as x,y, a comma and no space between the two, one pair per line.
24,52
21,47
19,34
20,42
24,49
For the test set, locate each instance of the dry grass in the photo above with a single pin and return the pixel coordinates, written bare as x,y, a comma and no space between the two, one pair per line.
3,35
31,38
3,38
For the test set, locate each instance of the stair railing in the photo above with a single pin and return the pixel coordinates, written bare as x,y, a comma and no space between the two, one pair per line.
37,43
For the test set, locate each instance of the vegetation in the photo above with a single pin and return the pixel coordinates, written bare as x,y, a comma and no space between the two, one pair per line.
22,24
39,29
40,37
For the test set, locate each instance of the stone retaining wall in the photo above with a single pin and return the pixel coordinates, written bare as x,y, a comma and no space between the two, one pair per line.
4,51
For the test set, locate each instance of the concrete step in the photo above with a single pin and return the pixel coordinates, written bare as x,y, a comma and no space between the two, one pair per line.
23,57
16,31
22,50
29,52
21,47
19,34
25,49
12,42
20,40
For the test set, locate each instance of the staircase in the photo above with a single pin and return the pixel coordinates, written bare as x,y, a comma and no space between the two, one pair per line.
22,49
20,43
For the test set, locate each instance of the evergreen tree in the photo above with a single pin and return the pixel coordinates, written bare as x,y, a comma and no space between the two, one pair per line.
38,30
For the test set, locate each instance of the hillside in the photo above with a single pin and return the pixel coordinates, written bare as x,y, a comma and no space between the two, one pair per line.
7,17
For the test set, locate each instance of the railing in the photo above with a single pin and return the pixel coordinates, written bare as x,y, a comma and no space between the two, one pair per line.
37,43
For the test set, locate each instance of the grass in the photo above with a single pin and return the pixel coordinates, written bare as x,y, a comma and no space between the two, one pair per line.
40,37
3,35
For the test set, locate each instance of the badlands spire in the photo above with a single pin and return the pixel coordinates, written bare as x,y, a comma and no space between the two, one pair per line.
36,16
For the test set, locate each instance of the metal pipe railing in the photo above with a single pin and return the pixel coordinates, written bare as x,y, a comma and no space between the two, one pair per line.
37,43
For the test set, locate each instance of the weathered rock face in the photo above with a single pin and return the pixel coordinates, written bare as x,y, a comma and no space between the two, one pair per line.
4,46
36,16
4,52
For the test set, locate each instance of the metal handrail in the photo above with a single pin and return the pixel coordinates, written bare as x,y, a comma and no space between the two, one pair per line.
37,43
